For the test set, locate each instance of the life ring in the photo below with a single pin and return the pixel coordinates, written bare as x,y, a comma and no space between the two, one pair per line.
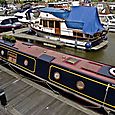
112,71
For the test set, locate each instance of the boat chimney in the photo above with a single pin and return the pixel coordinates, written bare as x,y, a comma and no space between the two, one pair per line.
45,51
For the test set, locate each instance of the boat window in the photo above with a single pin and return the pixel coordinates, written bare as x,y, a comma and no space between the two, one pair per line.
19,17
74,33
114,16
51,24
45,23
80,34
97,34
103,19
91,36
7,21
87,35
110,17
57,24
12,57
14,20
36,12
40,21
71,60
77,34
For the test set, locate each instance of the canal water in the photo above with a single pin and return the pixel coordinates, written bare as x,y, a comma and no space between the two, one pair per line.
105,55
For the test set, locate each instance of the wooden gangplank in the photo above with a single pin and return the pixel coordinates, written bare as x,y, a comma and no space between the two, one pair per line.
28,98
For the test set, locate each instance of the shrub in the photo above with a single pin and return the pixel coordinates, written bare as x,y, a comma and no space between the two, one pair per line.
9,38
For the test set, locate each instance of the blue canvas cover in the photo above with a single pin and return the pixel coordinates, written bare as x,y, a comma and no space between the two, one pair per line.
85,18
60,13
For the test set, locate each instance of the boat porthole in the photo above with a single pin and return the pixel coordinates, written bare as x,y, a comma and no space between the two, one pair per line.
80,85
112,71
25,62
2,52
57,75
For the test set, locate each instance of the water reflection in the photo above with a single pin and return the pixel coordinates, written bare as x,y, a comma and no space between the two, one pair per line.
105,55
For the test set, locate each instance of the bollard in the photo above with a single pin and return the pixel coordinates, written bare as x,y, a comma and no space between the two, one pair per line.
13,30
3,98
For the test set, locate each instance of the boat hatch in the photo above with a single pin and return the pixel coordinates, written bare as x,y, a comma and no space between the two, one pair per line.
71,60
106,70
27,43
7,43
46,58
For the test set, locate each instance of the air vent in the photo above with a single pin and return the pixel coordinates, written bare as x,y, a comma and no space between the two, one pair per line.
71,60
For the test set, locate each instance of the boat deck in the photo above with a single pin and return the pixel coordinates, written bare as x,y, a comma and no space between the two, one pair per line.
19,33
28,98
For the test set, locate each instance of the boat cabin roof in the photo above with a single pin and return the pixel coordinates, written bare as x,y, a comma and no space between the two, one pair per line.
6,17
87,67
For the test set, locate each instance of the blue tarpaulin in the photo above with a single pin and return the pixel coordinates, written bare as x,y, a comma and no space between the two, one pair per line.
60,13
80,17
85,18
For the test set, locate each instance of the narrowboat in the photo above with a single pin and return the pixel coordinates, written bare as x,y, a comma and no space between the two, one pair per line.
79,28
91,81
9,22
27,15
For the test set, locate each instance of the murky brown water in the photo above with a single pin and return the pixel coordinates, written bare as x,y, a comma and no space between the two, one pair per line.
105,55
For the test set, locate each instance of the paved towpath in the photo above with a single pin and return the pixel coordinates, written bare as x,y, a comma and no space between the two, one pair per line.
28,98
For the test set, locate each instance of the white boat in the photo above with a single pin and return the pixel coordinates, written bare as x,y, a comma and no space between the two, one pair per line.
26,16
108,21
2,9
8,23
80,27
61,5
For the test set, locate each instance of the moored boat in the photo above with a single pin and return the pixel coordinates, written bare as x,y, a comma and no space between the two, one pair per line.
8,23
27,15
108,21
75,28
88,80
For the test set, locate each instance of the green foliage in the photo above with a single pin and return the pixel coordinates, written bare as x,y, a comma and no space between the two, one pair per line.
1,1
9,38
94,0
111,0
21,2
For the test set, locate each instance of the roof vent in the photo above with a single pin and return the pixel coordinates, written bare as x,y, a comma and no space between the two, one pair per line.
71,60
